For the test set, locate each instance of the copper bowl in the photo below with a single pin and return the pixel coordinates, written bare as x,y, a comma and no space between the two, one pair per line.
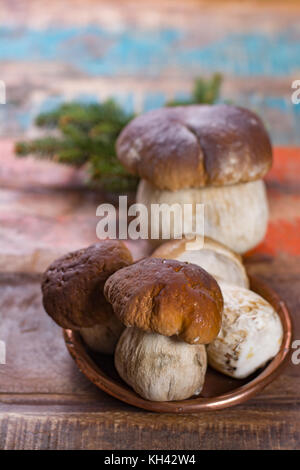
219,390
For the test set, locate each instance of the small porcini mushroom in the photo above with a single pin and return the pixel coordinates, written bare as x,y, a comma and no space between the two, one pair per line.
218,260
250,336
213,155
173,309
167,297
73,296
167,304
160,368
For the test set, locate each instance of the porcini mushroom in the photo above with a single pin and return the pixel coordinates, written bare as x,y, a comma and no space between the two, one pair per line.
214,155
218,260
250,336
73,296
171,310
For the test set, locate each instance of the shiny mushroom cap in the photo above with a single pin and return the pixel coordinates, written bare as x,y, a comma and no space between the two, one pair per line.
167,297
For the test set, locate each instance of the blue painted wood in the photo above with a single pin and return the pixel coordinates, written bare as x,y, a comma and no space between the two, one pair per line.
97,51
93,51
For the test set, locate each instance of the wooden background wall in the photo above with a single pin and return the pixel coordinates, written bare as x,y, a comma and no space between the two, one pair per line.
144,52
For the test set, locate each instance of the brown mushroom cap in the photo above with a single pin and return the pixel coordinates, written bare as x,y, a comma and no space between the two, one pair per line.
196,146
167,297
73,285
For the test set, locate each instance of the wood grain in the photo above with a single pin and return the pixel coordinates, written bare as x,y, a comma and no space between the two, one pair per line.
255,426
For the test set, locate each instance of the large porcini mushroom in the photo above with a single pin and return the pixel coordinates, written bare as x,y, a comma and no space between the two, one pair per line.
214,155
218,260
171,310
250,336
73,296
167,297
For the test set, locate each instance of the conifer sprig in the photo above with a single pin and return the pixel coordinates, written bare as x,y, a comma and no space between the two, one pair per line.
86,134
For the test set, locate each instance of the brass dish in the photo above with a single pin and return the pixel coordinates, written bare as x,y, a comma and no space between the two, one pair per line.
219,390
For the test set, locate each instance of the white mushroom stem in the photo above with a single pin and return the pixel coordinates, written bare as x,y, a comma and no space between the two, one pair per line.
160,368
235,215
251,333
103,338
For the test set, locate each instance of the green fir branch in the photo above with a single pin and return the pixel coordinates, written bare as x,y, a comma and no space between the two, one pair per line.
86,134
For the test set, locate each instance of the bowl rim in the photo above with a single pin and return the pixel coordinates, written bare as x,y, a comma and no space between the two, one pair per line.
93,372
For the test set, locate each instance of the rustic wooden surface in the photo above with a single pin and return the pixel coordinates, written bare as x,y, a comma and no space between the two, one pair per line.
142,53
46,403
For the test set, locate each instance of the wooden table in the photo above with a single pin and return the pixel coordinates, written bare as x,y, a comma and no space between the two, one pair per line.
46,403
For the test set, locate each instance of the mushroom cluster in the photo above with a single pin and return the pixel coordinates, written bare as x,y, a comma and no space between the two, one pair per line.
251,332
158,315
216,156
167,316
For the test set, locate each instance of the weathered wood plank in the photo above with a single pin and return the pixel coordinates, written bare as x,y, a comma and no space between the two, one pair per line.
259,427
